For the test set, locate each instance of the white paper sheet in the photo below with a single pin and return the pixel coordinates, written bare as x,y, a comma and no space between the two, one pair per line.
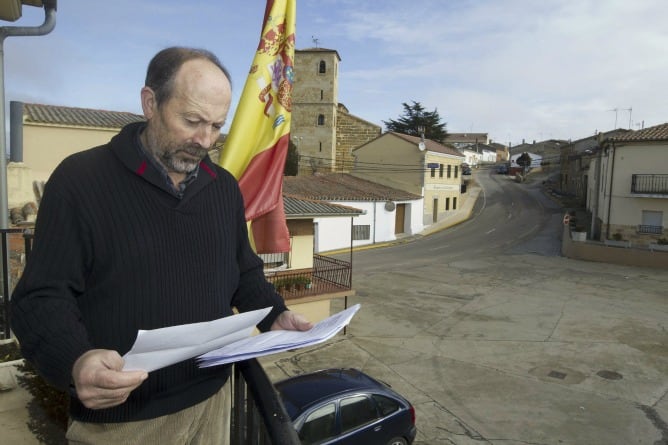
225,340
156,348
278,341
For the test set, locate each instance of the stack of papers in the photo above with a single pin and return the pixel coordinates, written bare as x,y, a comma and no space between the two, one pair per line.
278,341
224,340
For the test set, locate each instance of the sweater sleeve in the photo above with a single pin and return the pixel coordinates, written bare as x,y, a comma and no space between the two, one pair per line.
44,312
254,291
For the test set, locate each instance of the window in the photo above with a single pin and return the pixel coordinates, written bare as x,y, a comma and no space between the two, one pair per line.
652,222
356,411
454,203
449,170
440,170
321,119
322,94
361,232
319,425
386,406
433,172
447,203
456,171
322,67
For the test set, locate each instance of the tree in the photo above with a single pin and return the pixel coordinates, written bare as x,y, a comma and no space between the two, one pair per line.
291,167
415,117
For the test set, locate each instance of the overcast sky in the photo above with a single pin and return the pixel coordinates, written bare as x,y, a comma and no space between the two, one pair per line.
515,69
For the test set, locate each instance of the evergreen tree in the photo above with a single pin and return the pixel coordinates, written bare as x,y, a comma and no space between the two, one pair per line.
291,167
416,117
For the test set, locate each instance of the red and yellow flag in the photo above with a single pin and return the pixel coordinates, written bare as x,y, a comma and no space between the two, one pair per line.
257,144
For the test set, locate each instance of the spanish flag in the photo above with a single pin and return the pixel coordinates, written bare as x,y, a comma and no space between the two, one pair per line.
257,143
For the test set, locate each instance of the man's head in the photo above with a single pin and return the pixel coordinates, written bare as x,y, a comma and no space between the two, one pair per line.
185,101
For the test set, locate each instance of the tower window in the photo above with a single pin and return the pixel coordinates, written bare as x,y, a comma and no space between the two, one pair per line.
322,67
321,119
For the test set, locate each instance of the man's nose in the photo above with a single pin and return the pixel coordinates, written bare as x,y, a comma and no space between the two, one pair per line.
204,136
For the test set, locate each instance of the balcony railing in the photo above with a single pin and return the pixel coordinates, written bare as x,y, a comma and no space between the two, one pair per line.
258,414
657,230
649,184
328,276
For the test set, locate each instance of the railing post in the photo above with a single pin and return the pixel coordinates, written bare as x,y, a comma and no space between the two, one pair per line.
276,420
5,287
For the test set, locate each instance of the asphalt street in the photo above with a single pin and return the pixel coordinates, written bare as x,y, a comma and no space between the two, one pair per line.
511,345
519,346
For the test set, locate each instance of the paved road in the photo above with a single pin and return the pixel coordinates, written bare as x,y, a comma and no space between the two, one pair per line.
496,339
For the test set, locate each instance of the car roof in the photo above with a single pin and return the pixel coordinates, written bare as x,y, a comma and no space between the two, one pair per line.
304,390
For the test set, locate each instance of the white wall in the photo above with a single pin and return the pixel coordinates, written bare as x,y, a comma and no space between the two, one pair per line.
488,156
333,233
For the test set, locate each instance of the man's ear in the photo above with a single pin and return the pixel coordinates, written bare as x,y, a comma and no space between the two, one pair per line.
148,103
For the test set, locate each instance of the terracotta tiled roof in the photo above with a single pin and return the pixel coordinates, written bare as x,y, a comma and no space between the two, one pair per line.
77,117
300,207
341,187
656,133
430,145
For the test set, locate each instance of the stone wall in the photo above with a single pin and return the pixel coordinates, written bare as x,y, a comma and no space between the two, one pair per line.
351,132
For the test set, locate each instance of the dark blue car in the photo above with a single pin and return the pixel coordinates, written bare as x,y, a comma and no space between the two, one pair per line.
346,406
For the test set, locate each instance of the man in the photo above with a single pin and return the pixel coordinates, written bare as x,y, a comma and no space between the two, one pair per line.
141,233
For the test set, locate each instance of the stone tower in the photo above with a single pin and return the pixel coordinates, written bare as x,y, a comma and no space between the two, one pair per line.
314,109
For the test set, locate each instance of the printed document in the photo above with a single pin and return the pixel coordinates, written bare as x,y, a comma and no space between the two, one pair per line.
225,340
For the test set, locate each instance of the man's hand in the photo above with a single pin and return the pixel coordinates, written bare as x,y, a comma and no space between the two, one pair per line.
291,321
99,381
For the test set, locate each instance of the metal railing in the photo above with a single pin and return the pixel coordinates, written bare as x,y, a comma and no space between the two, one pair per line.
11,264
328,275
332,270
258,414
649,184
644,228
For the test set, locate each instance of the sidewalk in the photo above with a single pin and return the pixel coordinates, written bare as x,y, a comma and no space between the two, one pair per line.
14,417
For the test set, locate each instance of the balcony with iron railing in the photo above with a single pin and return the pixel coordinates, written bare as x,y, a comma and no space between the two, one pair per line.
258,414
328,278
650,185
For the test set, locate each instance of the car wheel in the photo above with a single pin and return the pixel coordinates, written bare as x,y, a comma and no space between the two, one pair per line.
397,441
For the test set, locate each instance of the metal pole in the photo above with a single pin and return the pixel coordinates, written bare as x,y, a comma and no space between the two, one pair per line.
45,28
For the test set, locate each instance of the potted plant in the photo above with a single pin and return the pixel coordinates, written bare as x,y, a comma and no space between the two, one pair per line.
302,282
281,284
579,234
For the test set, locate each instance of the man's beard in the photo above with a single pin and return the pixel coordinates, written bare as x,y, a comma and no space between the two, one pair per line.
175,163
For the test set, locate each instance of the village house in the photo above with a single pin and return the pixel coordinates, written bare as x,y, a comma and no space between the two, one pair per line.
422,167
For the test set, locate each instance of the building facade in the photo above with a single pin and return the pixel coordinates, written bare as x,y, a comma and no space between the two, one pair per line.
424,168
628,196
322,129
386,213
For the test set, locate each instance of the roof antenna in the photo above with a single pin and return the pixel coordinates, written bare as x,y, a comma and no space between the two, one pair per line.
421,145
315,41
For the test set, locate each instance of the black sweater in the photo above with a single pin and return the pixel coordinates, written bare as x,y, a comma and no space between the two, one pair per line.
116,251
